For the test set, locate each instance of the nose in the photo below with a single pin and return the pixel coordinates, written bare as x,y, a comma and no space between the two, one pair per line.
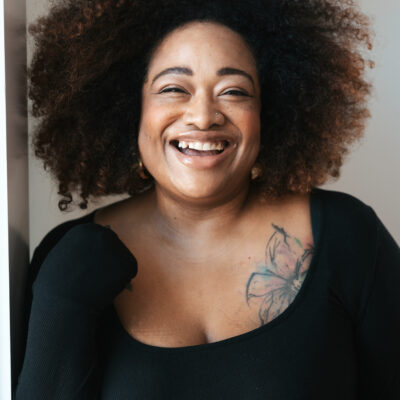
201,112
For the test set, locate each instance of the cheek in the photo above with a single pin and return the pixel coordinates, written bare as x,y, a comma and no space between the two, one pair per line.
148,123
150,128
144,140
249,124
155,118
248,121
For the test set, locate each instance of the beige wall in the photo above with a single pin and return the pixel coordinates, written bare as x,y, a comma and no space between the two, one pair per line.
5,350
17,167
372,171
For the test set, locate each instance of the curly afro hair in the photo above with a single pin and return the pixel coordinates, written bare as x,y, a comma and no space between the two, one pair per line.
90,62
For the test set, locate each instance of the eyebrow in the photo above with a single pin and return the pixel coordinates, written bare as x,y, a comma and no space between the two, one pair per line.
173,70
188,71
234,71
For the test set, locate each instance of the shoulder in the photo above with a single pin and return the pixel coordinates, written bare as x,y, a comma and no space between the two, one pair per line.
356,219
348,224
341,202
350,247
42,250
56,233
347,214
50,240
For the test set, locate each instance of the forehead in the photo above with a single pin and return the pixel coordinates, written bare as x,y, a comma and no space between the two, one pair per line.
203,44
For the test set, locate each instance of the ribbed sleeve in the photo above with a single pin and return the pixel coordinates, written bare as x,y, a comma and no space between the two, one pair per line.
378,334
80,276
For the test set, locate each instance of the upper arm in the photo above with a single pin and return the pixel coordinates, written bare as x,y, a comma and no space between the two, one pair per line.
378,330
39,255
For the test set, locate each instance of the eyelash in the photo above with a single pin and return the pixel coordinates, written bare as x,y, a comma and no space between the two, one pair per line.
178,90
171,89
237,91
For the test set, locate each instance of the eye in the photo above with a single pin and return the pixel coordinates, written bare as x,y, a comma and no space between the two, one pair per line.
172,90
235,92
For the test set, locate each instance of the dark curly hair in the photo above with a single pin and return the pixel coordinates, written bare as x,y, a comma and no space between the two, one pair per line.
91,58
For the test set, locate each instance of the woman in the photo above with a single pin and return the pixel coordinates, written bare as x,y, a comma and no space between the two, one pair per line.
226,274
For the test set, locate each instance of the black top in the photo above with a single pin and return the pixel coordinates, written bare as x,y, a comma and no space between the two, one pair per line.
338,339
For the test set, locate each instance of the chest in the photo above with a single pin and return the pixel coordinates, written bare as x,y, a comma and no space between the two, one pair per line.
298,358
174,302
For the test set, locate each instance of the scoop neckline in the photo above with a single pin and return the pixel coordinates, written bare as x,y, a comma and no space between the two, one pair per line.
317,224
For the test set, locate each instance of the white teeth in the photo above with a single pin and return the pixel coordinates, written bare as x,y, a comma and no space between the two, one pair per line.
202,146
196,145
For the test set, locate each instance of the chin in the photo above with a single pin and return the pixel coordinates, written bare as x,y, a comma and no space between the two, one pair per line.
204,188
201,189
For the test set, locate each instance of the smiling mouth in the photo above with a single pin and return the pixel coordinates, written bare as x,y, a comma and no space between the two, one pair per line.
209,148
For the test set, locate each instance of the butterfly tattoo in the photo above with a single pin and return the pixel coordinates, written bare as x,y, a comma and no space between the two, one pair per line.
280,279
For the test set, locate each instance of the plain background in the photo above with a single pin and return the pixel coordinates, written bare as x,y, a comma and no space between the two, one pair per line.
370,173
14,232
5,373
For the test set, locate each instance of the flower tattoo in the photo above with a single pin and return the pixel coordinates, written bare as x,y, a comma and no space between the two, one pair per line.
286,265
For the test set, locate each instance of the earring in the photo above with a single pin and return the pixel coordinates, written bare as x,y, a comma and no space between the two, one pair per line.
141,170
256,172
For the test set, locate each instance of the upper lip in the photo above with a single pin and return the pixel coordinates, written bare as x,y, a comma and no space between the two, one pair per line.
199,136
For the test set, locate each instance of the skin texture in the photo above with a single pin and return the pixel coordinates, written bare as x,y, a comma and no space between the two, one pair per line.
203,281
199,285
280,279
190,107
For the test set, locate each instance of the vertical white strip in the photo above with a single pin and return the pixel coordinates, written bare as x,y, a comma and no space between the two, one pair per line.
5,352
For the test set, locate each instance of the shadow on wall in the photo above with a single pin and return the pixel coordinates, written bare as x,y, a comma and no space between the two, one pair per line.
19,258
17,174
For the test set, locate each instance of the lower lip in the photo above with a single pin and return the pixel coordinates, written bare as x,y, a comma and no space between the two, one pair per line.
202,161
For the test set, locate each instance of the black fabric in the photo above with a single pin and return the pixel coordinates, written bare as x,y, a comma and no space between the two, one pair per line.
78,279
339,338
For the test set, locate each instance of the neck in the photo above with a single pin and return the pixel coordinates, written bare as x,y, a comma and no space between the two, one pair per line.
207,220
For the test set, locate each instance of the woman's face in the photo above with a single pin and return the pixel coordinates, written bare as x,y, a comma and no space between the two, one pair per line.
200,122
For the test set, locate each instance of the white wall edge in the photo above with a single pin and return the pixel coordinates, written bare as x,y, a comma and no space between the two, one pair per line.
5,349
